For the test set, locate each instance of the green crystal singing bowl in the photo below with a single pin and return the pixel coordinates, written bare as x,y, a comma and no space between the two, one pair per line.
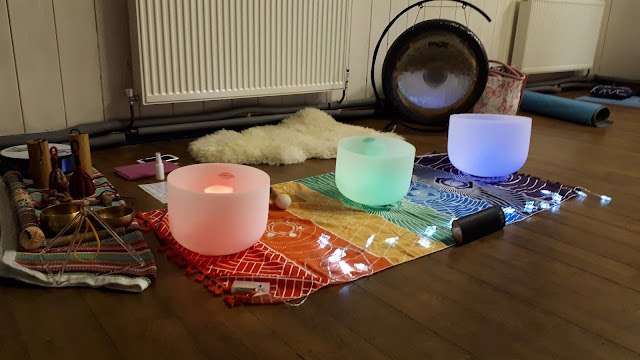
374,170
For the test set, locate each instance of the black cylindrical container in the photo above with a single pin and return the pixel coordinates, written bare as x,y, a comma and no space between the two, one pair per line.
472,227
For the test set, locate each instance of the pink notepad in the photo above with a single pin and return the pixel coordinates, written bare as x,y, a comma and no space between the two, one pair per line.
139,171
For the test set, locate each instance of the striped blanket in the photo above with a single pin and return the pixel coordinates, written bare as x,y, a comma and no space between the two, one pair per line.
113,267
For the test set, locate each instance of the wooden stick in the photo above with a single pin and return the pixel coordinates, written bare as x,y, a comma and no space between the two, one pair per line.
39,162
31,236
88,236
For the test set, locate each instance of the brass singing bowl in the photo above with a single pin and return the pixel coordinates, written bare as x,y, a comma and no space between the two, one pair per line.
117,216
54,218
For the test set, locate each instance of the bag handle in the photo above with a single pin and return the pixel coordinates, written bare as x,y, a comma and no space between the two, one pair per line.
511,72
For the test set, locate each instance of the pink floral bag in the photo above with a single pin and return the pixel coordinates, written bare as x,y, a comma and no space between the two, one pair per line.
503,92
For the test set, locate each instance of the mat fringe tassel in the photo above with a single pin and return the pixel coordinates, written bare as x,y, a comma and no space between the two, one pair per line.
213,285
233,300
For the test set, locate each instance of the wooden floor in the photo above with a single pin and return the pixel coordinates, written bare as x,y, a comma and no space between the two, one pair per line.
562,285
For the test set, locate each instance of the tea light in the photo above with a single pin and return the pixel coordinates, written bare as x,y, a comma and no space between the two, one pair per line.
218,189
374,170
217,209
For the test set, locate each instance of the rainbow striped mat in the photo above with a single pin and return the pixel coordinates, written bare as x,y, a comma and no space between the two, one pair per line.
325,238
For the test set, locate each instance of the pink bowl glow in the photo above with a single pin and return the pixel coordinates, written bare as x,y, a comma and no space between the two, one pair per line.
218,209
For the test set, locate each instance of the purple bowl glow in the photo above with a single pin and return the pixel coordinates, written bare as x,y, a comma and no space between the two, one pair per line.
488,145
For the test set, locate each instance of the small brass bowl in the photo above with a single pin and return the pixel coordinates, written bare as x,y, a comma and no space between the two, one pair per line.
117,216
54,218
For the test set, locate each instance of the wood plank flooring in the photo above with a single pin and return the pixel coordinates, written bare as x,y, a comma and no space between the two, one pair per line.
563,285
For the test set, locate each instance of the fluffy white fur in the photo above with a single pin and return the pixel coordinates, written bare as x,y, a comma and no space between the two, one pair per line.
309,133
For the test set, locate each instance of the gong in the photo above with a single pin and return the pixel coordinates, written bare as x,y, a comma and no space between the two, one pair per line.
434,69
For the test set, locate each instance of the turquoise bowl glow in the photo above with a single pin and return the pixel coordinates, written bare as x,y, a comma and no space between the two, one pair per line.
374,170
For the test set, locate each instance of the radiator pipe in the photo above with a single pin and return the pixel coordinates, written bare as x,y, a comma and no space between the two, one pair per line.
202,125
577,85
556,82
561,87
344,90
239,122
107,127
545,89
258,110
60,136
113,139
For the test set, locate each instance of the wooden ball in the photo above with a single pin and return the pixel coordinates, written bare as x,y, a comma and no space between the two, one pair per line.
283,201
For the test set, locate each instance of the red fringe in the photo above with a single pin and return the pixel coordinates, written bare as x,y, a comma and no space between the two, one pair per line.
233,300
181,261
216,286
191,269
145,225
164,248
213,285
173,253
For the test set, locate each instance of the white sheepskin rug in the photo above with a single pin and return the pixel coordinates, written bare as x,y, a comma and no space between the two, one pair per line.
309,133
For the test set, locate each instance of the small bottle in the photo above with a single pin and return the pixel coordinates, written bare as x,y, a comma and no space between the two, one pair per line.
159,167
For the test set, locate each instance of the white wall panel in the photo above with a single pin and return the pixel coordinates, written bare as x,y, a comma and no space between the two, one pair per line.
79,60
359,49
112,23
311,98
486,34
238,103
38,66
186,108
217,105
620,55
448,12
10,111
276,100
401,24
476,22
503,30
380,12
146,111
294,100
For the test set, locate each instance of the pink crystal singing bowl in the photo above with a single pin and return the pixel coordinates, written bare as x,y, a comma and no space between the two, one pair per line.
229,217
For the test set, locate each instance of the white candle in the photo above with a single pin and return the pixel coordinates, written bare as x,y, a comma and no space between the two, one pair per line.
219,189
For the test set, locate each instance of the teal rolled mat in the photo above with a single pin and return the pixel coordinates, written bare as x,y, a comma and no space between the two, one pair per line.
579,112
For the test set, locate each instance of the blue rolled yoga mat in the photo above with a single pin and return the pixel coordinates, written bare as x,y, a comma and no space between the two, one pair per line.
579,112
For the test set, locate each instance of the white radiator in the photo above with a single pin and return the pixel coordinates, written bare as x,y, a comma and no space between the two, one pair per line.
193,50
556,35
